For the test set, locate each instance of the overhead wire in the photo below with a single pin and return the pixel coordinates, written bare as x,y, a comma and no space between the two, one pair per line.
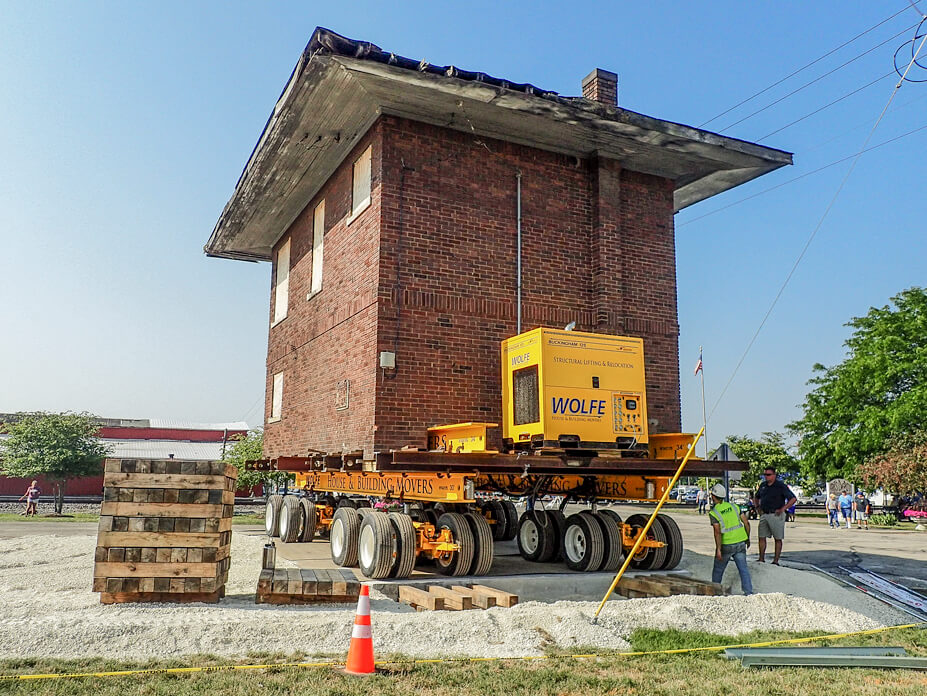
913,3
817,227
818,79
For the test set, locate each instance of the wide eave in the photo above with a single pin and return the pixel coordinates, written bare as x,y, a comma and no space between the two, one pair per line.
340,87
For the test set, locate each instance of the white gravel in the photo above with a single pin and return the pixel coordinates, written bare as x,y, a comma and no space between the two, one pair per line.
49,610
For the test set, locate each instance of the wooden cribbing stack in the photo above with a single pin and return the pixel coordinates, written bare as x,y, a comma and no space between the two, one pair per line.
455,598
304,586
165,531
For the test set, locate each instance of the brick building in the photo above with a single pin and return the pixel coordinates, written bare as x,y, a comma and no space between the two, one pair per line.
400,203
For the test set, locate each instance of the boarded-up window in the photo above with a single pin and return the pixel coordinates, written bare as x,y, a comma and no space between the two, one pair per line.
318,239
361,192
276,397
527,405
282,282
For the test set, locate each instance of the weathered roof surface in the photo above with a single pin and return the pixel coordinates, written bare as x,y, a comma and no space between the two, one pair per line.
340,86
163,449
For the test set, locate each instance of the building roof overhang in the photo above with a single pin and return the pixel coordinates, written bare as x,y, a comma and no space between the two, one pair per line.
340,87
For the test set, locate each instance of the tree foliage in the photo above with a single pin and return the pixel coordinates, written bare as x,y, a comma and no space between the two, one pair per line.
769,450
249,448
902,469
879,392
58,446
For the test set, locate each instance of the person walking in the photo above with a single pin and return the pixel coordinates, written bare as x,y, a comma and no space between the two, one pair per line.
702,499
32,499
772,498
830,504
732,538
845,501
861,510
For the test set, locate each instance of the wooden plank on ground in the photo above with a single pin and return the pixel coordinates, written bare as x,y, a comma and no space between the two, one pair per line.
646,586
194,481
705,587
420,598
155,570
175,597
503,599
479,599
452,599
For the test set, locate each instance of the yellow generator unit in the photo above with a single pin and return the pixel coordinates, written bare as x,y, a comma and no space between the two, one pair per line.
573,390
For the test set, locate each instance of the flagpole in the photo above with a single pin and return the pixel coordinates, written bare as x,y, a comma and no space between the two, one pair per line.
704,417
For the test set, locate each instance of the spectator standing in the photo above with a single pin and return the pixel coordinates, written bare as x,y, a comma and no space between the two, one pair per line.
772,499
32,495
830,504
846,507
861,510
732,538
702,499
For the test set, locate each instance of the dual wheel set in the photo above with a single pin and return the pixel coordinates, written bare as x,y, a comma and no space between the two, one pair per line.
598,541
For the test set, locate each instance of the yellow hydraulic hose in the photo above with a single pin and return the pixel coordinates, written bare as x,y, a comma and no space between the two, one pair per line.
640,538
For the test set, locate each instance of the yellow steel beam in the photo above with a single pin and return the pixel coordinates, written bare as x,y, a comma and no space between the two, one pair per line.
407,486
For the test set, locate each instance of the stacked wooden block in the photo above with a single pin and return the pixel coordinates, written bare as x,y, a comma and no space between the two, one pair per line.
304,586
165,531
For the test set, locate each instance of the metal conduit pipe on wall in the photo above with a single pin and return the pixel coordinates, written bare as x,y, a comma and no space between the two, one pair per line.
518,251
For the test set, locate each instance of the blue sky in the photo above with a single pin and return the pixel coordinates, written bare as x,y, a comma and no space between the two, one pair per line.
124,127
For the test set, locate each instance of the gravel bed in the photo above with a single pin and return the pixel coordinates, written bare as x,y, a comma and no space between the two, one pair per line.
50,611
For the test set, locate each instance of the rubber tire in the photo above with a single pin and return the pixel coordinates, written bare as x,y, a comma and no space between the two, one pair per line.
429,516
559,520
310,520
362,503
330,500
536,536
483,546
614,515
584,547
343,535
290,513
377,545
496,513
511,520
613,553
673,540
460,562
345,501
655,557
272,515
406,545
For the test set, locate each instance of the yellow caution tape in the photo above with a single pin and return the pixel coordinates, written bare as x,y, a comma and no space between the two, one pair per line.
446,660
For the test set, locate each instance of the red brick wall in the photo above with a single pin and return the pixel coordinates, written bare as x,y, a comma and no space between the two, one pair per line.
332,336
597,247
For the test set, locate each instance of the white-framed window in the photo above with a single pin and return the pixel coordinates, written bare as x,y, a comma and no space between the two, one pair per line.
360,192
318,242
276,398
282,283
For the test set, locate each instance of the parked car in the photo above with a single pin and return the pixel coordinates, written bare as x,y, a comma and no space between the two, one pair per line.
818,499
692,496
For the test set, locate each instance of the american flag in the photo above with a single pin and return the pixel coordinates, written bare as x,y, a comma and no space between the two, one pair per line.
698,365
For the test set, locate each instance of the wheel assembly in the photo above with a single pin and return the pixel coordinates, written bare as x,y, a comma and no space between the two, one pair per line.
458,562
648,557
673,542
537,536
310,520
377,545
343,535
583,542
483,548
290,518
611,534
495,511
511,520
272,515
406,545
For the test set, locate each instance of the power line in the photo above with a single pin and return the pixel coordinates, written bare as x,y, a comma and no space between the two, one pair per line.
827,106
802,176
818,79
913,3
817,227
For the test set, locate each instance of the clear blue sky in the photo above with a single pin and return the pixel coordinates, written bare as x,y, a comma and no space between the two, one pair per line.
123,129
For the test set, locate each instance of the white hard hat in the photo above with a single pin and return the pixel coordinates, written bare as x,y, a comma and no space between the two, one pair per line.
719,491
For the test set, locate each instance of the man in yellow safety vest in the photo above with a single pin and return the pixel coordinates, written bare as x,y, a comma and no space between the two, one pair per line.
732,538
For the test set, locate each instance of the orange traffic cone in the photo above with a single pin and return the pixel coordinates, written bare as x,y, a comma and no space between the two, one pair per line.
360,654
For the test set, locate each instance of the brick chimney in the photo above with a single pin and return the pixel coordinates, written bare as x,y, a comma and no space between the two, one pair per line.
601,86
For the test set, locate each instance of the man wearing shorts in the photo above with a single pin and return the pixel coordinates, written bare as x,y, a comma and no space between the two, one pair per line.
772,499
861,510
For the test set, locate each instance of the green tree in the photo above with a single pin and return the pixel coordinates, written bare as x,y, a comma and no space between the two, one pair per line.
249,448
879,392
58,446
769,450
902,468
